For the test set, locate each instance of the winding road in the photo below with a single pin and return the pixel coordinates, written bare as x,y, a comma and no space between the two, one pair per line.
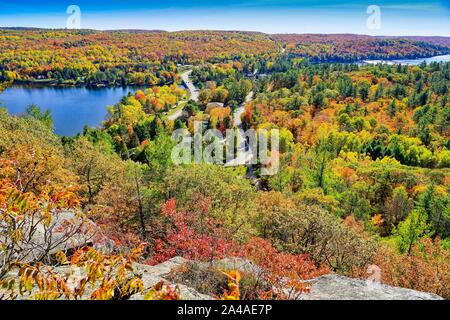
193,92
244,156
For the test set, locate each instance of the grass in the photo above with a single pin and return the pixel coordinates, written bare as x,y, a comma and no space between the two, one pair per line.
180,106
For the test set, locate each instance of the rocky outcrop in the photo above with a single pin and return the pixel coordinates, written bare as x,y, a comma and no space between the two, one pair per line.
151,275
335,287
329,287
67,231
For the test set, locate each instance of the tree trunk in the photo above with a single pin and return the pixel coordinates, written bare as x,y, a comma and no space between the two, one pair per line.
141,209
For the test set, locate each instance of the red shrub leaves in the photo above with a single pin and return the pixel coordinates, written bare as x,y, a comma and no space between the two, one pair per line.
192,235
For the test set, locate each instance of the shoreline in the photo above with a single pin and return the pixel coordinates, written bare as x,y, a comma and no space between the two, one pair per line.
52,83
48,83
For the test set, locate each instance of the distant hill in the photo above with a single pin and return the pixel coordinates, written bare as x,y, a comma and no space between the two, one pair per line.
435,40
351,47
149,56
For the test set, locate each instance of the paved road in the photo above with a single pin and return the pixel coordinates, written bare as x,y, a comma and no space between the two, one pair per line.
243,156
240,110
193,92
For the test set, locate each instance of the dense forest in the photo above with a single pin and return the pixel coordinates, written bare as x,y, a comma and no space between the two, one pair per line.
364,150
351,48
132,57
117,58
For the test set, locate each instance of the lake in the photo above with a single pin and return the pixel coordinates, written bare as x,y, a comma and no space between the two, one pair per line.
72,108
443,58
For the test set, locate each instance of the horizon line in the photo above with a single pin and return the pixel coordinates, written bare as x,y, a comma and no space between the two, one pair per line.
215,30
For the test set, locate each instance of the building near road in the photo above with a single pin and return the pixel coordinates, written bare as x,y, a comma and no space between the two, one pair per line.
214,105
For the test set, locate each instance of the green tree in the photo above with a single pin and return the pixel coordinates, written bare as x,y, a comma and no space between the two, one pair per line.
158,155
364,89
93,167
411,230
45,117
437,206
397,207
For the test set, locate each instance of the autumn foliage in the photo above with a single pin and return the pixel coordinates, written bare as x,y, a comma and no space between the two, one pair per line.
363,178
192,235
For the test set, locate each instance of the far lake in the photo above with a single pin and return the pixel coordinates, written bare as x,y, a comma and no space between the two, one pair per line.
72,108
444,58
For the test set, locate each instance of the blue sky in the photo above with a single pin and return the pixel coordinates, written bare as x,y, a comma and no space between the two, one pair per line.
416,17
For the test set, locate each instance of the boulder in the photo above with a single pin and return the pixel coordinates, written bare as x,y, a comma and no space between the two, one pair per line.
336,287
67,231
151,275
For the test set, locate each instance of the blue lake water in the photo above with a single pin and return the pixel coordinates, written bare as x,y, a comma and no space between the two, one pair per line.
72,108
443,58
